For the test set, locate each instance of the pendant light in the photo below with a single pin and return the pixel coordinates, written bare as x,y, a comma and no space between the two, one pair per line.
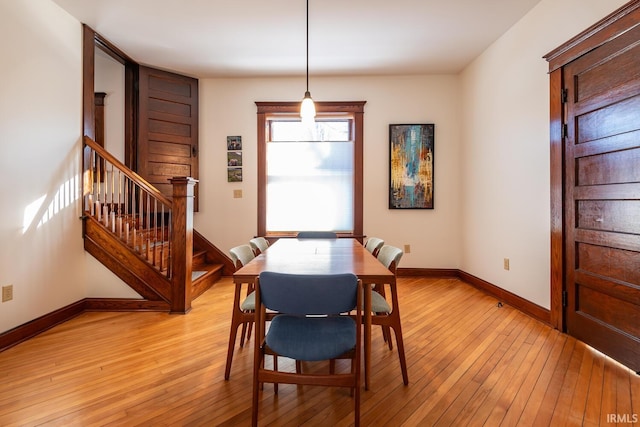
307,107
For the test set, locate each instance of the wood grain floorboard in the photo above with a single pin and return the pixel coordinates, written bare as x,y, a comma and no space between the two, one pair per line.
470,362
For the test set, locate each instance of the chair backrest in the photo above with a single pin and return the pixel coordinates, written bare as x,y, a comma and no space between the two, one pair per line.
316,235
373,245
259,244
241,255
302,294
390,256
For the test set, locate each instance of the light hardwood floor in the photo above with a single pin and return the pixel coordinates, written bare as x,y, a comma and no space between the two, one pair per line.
470,363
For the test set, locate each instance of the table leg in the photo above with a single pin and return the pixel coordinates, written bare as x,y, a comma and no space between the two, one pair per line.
367,334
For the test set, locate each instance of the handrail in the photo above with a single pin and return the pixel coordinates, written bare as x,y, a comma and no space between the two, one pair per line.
126,171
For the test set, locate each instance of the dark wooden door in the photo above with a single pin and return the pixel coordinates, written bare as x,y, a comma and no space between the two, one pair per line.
602,198
167,143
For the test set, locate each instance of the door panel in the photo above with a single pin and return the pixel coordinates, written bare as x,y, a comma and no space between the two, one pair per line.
168,128
609,168
623,216
610,120
602,198
611,73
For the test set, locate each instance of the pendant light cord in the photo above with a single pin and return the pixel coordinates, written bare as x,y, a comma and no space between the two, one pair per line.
307,107
307,45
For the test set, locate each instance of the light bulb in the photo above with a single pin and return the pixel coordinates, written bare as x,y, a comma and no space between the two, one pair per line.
308,108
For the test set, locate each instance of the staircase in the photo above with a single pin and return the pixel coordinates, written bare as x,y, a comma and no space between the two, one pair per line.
144,237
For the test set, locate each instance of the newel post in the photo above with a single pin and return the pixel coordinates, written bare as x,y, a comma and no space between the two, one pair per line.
181,243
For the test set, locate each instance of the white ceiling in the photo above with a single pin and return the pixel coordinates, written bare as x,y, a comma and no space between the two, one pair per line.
255,38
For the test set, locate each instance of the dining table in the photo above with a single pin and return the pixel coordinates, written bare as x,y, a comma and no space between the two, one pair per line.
323,256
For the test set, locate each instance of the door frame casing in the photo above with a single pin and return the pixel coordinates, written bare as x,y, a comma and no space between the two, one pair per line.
91,41
598,34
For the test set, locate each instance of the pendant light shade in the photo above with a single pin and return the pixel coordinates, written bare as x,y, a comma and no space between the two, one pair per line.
307,107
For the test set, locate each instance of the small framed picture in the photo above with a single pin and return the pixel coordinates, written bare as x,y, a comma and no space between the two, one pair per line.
234,143
234,174
234,158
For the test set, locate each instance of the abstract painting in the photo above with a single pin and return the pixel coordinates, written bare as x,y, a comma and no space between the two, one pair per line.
411,166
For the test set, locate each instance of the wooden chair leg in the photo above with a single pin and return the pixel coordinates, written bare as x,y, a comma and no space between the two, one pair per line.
243,334
232,343
384,334
262,367
254,411
403,361
246,328
353,371
357,406
386,331
275,368
249,327
246,331
256,386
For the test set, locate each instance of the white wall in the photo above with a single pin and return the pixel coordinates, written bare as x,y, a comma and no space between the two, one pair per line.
109,78
40,123
505,148
227,107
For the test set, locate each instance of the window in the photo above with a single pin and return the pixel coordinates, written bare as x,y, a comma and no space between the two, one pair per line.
310,176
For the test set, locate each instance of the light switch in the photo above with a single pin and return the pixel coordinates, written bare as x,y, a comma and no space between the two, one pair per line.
237,194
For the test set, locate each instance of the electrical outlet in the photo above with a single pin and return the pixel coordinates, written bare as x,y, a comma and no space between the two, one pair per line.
407,249
7,293
506,263
237,194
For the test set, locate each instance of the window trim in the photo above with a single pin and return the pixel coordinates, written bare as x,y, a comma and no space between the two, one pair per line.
268,109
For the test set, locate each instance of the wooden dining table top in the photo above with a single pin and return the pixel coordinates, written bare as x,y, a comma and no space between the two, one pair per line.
316,256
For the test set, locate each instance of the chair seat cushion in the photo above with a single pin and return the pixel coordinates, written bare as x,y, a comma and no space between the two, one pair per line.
311,338
379,304
249,303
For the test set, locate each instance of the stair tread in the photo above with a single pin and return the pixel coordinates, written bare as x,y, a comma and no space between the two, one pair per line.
195,275
202,271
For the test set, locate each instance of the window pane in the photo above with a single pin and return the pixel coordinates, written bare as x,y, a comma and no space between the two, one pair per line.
332,130
310,185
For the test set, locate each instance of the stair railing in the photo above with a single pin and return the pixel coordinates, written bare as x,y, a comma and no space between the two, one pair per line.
157,229
128,206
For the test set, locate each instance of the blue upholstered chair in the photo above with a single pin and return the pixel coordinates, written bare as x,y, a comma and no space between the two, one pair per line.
316,235
373,245
309,326
387,314
243,311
